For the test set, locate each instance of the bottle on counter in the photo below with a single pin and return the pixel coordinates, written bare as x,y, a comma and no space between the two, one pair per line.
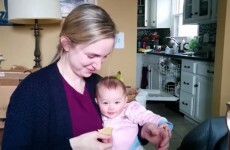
182,44
139,44
144,45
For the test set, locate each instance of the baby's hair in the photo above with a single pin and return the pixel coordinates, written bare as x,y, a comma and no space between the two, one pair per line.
110,82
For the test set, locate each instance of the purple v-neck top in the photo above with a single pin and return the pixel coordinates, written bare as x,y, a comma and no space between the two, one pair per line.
84,117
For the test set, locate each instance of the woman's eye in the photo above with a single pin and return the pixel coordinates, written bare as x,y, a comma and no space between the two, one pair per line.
90,56
105,57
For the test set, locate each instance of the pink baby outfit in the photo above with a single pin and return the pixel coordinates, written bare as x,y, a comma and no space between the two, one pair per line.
125,126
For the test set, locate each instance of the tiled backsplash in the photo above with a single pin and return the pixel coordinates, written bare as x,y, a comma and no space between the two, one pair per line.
207,39
205,30
209,29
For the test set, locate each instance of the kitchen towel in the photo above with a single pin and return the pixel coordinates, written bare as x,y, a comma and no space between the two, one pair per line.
144,78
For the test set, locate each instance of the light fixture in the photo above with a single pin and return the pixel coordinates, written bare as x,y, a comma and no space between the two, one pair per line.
34,12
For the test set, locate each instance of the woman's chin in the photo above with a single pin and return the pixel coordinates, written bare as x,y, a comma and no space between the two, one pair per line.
87,74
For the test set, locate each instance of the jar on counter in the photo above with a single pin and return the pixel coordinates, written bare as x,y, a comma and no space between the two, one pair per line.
144,45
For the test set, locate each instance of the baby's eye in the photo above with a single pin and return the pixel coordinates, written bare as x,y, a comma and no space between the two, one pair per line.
105,103
117,102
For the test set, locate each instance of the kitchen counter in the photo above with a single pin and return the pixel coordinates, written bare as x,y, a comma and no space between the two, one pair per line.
180,56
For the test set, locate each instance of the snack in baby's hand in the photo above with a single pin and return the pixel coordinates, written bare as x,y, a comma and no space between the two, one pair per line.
106,131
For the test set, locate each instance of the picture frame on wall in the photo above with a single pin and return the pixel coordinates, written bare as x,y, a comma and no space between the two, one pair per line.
68,5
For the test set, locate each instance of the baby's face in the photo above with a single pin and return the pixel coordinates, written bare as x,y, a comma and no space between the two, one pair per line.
111,101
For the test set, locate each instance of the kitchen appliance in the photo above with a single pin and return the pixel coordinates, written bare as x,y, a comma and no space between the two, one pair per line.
163,86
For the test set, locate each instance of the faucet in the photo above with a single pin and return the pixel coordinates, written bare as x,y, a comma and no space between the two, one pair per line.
173,44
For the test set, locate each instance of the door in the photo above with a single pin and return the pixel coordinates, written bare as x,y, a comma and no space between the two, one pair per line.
203,98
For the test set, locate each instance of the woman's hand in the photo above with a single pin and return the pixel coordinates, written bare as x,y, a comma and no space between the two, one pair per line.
91,141
155,136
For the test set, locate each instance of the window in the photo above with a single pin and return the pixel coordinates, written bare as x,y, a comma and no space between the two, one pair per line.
178,29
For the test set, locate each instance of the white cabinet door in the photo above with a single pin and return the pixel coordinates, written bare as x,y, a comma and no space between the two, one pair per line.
187,103
154,14
214,10
189,66
188,82
143,13
196,89
197,11
160,16
203,98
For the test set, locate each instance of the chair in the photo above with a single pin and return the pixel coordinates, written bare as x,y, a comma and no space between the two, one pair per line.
209,135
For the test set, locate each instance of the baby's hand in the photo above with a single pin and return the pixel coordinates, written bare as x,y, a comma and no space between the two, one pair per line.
164,127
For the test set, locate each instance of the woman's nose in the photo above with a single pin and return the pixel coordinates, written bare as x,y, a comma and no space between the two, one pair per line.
97,65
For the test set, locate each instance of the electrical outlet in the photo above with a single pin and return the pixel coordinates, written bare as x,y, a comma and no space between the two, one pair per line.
206,38
119,40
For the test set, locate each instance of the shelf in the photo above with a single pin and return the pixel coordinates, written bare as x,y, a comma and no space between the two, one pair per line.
158,95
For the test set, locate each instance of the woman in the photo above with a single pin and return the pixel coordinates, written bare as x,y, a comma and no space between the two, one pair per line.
54,108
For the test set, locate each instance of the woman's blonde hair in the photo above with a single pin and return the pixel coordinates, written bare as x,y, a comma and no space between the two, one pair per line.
87,23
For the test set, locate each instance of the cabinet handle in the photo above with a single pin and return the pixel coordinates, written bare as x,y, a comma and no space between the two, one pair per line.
209,71
184,103
196,85
186,66
186,83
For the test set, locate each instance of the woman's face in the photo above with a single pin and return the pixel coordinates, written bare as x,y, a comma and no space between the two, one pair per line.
84,59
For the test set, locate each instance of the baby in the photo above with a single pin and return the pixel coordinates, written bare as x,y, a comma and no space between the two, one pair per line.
125,117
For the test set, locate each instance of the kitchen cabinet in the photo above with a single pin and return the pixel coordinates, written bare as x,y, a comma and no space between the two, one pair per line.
199,11
154,14
141,13
196,89
139,65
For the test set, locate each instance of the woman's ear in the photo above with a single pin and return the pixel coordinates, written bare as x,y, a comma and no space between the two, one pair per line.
65,43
